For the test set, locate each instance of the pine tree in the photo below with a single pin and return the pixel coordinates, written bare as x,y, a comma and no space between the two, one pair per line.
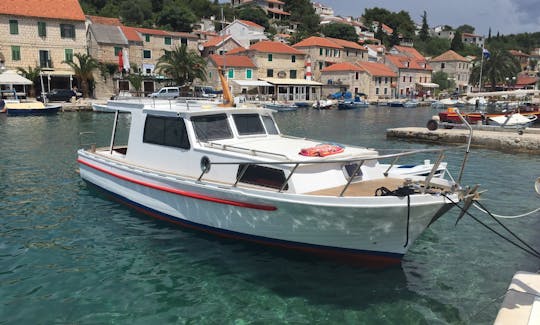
424,32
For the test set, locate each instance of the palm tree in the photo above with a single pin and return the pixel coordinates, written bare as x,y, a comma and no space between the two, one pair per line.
83,70
182,65
136,80
33,75
499,66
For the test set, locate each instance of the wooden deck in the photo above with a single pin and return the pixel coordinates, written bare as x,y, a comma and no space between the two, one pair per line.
362,188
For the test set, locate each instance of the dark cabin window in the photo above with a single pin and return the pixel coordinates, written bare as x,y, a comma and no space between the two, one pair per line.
270,125
166,131
262,176
247,124
211,127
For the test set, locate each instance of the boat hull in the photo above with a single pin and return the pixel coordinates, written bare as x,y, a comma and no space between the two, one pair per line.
370,230
49,109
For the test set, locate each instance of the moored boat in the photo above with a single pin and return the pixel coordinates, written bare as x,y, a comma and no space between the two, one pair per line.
451,116
281,107
230,171
352,104
16,107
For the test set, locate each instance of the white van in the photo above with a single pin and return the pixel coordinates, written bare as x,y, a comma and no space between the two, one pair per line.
166,93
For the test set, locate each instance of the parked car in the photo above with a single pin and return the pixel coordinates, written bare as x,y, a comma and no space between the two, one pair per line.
59,95
166,93
205,91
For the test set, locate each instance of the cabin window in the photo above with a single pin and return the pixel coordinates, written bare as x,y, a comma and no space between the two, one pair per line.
211,127
166,131
248,124
269,125
262,176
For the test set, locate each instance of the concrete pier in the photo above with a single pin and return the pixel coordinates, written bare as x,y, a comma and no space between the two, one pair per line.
508,140
521,305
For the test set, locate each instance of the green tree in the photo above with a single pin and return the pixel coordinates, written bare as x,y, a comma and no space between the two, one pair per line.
441,78
176,16
255,14
32,74
457,43
83,70
135,12
182,65
302,11
136,80
424,31
394,38
500,65
465,29
340,30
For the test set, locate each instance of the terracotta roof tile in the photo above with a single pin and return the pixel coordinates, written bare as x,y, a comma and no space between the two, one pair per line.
343,66
216,41
104,20
318,41
240,61
236,50
54,9
131,33
150,31
183,34
526,80
405,62
273,47
518,53
250,23
377,69
409,51
277,11
449,56
347,44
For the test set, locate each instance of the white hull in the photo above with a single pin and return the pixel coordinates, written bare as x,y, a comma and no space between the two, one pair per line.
372,228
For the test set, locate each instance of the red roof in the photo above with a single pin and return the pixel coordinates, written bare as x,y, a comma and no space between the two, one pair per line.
131,33
54,9
250,23
449,56
183,34
409,51
277,11
273,47
343,66
104,20
347,44
240,61
405,62
150,31
236,50
518,53
377,69
216,41
318,41
526,80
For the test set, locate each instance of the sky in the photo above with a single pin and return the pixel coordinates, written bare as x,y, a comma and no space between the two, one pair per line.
503,16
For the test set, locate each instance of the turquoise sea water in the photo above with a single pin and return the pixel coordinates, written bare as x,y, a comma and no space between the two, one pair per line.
68,254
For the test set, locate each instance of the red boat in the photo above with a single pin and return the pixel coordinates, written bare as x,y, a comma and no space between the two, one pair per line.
451,116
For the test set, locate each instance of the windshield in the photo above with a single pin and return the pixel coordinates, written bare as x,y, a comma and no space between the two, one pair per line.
211,127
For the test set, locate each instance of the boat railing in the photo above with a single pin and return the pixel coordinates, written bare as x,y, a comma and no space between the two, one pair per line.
250,151
206,165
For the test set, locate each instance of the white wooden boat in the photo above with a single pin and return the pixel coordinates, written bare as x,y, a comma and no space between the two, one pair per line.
512,120
230,171
17,108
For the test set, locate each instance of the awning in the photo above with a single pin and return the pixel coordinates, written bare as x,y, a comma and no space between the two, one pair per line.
11,77
292,82
58,73
428,84
251,83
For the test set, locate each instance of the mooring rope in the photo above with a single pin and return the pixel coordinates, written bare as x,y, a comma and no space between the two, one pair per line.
529,249
508,217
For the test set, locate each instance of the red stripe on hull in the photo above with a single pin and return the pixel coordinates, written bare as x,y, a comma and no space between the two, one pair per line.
180,192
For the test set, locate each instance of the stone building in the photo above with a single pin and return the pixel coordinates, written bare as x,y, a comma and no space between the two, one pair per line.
457,67
44,34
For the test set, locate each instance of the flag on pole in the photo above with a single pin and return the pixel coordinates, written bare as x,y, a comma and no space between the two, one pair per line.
486,53
120,61
126,60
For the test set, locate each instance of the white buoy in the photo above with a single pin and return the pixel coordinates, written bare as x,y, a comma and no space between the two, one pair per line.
537,185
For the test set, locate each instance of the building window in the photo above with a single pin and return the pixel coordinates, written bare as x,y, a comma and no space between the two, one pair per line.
183,41
230,74
16,53
13,26
270,57
356,75
270,73
44,59
117,50
321,51
403,78
293,58
147,54
67,31
376,91
410,79
249,73
320,65
42,29
385,91
442,65
168,41
147,38
292,74
68,55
